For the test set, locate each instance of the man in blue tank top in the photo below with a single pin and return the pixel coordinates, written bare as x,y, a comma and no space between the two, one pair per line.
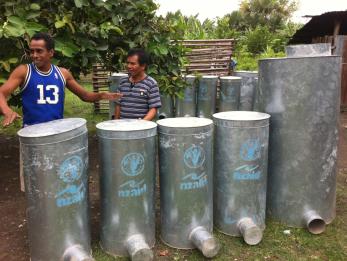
42,86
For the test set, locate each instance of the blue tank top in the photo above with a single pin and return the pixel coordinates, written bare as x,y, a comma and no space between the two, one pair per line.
42,95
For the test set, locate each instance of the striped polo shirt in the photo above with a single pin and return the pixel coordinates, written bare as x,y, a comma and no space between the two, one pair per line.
138,98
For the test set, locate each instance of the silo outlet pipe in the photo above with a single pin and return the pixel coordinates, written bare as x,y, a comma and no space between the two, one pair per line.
138,249
314,222
204,241
76,253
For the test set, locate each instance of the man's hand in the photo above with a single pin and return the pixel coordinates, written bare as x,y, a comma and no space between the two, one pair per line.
10,117
111,96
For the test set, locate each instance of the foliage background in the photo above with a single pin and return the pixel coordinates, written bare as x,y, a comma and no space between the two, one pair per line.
89,31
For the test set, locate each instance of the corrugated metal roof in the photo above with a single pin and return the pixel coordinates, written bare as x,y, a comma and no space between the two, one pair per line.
321,25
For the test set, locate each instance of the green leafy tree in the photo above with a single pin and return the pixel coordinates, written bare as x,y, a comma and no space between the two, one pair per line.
271,13
88,31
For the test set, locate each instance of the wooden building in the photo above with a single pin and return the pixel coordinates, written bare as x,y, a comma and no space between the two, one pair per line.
330,28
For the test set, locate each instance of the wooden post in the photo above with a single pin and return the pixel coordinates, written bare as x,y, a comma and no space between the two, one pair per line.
336,32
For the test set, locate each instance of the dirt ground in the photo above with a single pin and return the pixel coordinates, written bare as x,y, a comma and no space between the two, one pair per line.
13,224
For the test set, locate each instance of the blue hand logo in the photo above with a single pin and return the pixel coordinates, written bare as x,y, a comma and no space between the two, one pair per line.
250,150
133,164
71,169
194,157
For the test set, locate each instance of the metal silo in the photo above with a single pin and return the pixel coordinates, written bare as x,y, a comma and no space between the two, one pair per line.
206,97
240,174
186,107
302,95
55,165
229,99
185,156
127,184
248,89
167,107
114,81
300,50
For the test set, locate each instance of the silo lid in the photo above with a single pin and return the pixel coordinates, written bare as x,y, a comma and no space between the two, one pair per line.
51,128
184,122
126,125
241,115
230,78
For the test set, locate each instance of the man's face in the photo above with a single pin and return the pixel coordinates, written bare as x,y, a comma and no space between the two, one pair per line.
133,66
39,53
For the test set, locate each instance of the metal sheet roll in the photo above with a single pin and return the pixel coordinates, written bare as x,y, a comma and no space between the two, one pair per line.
206,99
302,95
167,107
230,87
248,89
240,158
127,185
55,167
185,156
186,107
114,81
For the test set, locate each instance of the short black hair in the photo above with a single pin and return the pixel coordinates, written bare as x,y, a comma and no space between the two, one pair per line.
141,54
46,37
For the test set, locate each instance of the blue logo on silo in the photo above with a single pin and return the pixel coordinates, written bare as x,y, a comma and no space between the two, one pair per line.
133,164
193,181
132,188
250,150
71,169
194,157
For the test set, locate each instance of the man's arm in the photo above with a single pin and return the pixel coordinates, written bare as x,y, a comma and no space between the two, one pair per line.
16,79
117,112
82,93
150,114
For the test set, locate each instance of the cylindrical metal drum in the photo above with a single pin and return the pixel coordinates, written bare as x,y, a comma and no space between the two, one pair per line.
185,156
55,165
302,95
240,158
249,85
229,99
186,107
300,50
114,81
206,100
167,107
127,185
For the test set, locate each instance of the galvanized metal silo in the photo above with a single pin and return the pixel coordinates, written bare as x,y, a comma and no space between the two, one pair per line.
127,185
240,174
55,167
186,107
185,156
167,107
206,99
300,50
248,89
114,81
230,87
302,95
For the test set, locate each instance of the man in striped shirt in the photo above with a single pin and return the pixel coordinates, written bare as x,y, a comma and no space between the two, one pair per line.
140,92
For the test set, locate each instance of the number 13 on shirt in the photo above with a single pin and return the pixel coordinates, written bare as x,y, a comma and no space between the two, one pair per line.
44,91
